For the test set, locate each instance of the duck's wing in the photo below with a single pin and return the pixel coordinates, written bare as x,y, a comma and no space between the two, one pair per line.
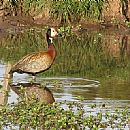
33,63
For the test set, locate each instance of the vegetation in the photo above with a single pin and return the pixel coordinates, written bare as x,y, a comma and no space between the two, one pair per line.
67,11
31,40
70,11
74,10
36,115
88,55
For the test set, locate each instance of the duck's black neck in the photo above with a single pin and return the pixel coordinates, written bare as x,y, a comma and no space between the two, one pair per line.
49,40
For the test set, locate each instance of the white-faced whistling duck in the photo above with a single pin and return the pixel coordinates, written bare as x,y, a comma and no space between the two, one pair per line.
38,61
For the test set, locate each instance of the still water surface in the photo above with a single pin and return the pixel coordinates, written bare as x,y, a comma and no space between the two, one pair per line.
94,65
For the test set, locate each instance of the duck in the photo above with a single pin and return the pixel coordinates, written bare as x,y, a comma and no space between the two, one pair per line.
37,62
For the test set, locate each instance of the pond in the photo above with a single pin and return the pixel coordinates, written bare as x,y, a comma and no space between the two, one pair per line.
92,64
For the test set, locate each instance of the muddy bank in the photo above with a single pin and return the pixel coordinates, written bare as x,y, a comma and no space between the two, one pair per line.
18,23
109,15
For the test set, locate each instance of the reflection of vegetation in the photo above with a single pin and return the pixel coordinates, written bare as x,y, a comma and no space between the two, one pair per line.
86,55
34,114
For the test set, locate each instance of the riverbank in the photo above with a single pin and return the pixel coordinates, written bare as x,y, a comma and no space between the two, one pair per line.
19,22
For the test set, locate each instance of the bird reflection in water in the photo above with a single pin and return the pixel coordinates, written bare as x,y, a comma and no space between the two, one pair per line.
34,90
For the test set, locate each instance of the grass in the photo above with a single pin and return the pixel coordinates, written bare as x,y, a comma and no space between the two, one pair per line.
65,10
34,6
72,11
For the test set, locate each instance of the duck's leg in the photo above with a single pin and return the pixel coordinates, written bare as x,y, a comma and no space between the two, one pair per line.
33,77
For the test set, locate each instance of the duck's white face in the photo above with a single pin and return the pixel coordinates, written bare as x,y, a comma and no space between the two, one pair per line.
53,32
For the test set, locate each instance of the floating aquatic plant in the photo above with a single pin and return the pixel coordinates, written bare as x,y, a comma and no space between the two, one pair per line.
36,115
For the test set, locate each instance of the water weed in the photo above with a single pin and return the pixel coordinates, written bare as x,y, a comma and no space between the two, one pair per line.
36,115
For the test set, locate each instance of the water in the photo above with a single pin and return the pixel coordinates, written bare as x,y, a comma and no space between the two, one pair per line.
94,65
